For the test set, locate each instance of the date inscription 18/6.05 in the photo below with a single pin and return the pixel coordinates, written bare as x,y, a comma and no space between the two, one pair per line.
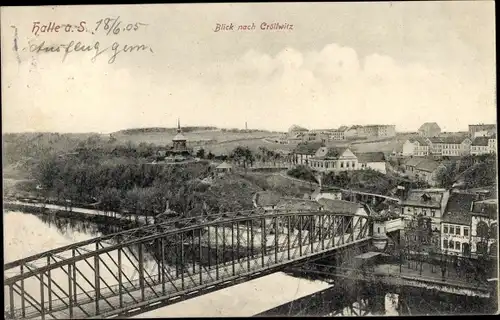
114,25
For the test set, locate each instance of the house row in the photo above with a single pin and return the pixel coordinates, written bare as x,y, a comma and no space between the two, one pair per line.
335,159
452,146
466,223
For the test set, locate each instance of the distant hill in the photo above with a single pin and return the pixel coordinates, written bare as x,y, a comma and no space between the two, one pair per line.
184,129
160,130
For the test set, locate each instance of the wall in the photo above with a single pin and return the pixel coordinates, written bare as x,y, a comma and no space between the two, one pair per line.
377,166
415,211
454,237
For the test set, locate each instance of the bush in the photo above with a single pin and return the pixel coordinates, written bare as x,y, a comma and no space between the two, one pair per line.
303,173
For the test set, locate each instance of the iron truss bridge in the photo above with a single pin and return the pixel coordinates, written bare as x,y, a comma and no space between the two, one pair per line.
142,269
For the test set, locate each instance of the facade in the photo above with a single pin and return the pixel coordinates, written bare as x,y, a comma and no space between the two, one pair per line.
423,169
484,227
474,129
372,160
450,146
329,159
492,144
479,146
428,203
429,129
305,151
337,135
417,147
376,131
224,167
456,224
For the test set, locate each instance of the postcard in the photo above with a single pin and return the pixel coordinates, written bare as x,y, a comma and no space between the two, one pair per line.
249,159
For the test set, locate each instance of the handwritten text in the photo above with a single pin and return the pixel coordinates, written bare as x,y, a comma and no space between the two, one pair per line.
76,46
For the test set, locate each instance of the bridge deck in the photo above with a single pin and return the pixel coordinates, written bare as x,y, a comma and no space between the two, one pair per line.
109,303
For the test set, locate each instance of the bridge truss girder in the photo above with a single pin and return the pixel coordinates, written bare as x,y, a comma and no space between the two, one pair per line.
147,267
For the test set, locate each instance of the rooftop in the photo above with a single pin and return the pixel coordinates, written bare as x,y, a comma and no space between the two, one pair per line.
370,157
420,140
448,139
298,204
309,148
179,137
459,202
340,206
480,141
424,198
487,208
224,165
429,126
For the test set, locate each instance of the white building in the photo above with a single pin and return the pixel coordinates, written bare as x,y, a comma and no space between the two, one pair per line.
329,159
480,146
492,144
429,203
417,147
450,146
372,160
456,224
305,151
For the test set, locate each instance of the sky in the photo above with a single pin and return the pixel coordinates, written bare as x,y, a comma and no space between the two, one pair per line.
401,63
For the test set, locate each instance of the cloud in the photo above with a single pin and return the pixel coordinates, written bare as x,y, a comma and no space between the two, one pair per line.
318,89
334,86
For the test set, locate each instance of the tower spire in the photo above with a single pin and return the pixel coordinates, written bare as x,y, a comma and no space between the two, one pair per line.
178,125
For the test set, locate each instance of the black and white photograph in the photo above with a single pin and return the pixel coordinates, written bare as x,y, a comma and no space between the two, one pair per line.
249,160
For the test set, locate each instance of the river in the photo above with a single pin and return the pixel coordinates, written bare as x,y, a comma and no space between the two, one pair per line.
27,234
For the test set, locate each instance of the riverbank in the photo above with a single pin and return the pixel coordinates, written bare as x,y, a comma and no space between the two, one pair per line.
75,213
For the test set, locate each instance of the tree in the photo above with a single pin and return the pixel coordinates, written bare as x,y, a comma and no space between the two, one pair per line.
200,153
445,175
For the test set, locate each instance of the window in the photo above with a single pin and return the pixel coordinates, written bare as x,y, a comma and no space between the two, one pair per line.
433,213
457,231
378,230
452,230
445,229
342,164
482,247
466,231
409,210
445,244
482,229
347,164
451,244
457,245
424,212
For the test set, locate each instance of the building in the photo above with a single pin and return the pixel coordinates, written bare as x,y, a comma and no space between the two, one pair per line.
429,129
427,203
456,224
417,146
223,168
423,169
337,135
456,146
492,143
484,227
305,151
480,145
327,159
372,160
179,141
476,130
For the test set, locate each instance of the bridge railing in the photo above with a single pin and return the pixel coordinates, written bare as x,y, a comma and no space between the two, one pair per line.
157,265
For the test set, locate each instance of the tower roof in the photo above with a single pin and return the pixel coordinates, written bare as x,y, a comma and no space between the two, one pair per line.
179,136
